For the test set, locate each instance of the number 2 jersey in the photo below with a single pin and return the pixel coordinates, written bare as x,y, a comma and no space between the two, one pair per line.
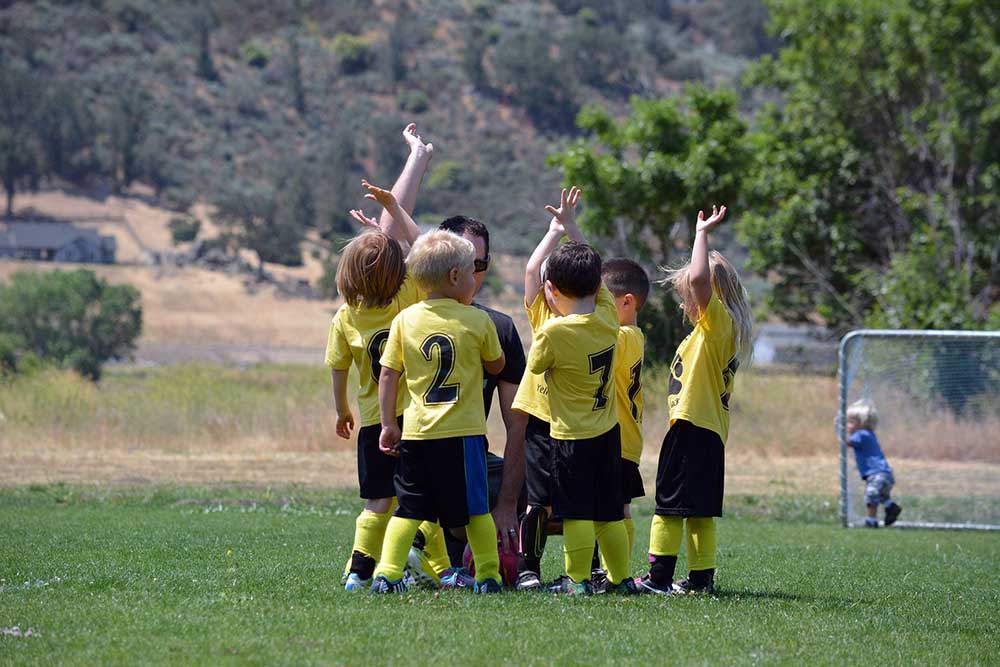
703,371
628,386
358,335
440,346
577,352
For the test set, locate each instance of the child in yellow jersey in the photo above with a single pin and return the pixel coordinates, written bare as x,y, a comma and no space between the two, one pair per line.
576,349
442,344
629,284
690,473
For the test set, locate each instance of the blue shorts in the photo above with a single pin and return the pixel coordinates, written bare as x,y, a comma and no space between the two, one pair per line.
442,480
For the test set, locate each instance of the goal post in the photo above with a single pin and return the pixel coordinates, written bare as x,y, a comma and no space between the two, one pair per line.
937,394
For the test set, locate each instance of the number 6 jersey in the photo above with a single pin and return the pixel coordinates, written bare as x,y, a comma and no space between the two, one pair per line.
578,354
440,346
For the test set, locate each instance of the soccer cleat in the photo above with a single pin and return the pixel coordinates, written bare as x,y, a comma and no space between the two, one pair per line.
626,587
382,584
688,587
489,586
645,584
457,577
599,580
892,513
354,582
419,567
871,523
528,581
566,586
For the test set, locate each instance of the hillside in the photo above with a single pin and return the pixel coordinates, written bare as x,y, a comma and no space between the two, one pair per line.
197,100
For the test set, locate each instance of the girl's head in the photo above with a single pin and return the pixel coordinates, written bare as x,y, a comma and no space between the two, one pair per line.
371,270
726,285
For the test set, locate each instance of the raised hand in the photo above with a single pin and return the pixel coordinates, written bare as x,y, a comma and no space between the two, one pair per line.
565,215
717,215
377,194
414,141
365,221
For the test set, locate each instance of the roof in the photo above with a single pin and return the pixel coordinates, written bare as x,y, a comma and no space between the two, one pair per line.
44,235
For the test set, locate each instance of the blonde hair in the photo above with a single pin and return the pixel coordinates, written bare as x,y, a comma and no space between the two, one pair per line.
371,270
863,414
727,286
435,254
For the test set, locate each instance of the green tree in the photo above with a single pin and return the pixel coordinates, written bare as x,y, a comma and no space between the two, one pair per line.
882,163
73,319
253,218
527,72
22,150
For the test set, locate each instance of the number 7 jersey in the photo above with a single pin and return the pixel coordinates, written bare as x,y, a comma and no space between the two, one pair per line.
440,346
577,352
628,384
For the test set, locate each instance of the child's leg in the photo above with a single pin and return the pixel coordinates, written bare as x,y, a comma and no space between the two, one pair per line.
701,548
665,535
578,548
533,535
399,536
435,547
629,527
369,533
613,538
482,534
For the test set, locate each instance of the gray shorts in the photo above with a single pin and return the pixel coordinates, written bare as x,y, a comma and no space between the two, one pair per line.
878,486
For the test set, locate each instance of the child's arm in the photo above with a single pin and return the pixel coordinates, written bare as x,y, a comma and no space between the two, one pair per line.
494,367
345,420
388,388
699,273
563,223
395,220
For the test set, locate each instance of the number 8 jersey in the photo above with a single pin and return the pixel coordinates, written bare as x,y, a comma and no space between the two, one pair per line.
440,345
578,354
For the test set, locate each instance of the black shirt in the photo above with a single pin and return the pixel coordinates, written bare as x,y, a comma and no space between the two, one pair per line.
513,352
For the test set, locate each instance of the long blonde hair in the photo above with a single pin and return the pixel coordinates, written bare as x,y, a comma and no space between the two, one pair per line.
371,270
727,286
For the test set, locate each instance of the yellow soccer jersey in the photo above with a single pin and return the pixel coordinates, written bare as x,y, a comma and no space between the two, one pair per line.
628,386
533,392
441,345
578,354
358,335
703,370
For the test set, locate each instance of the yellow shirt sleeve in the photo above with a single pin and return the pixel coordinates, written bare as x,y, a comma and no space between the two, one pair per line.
392,355
490,348
541,358
715,320
338,348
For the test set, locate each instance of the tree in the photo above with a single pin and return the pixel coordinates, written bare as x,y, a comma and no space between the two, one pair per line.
252,216
530,75
22,151
882,164
73,319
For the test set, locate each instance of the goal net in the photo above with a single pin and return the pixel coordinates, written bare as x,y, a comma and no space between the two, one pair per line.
937,395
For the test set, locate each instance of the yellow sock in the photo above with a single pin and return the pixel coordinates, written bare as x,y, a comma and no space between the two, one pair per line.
369,532
482,534
630,529
399,536
665,535
578,548
434,547
613,540
701,543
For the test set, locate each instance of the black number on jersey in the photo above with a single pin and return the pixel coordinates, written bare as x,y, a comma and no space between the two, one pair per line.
439,392
601,362
728,373
634,387
376,346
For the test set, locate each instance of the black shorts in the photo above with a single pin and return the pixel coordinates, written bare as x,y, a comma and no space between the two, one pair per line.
691,472
375,469
538,462
631,481
587,477
442,480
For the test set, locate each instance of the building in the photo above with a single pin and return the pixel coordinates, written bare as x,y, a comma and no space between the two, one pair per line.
55,242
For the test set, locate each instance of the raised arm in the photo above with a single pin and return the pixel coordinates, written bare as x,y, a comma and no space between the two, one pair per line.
563,223
408,184
699,273
402,227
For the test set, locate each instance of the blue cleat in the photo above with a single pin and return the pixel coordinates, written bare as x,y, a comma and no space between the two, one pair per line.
354,582
486,587
382,584
457,577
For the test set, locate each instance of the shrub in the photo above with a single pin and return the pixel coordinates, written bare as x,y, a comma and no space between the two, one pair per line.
255,54
183,230
354,53
413,101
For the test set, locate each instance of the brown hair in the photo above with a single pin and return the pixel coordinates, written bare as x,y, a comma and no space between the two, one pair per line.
371,270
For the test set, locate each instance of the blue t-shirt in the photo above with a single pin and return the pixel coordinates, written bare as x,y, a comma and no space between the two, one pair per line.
868,453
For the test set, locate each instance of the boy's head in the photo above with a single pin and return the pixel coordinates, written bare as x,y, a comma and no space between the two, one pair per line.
573,271
861,415
442,263
371,270
476,232
629,284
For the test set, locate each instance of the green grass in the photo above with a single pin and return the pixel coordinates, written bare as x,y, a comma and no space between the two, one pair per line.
177,575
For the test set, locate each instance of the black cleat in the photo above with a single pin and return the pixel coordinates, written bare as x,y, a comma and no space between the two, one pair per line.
599,580
690,587
892,513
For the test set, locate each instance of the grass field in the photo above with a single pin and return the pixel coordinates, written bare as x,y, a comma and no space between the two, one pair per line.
197,575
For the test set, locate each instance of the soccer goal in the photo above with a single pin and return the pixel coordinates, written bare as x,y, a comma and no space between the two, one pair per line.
937,394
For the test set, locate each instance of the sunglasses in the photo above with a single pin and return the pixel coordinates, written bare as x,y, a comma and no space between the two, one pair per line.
480,265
